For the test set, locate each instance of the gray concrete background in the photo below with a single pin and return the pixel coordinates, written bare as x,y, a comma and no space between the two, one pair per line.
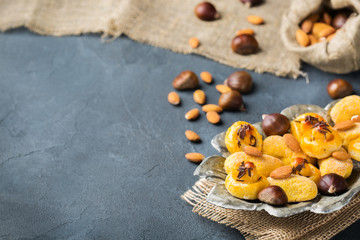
91,149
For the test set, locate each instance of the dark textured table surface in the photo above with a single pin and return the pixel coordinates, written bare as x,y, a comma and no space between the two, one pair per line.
91,149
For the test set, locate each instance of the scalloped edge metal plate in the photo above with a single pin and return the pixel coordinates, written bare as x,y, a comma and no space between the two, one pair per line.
211,168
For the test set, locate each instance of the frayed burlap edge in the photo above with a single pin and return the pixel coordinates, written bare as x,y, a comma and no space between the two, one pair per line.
261,225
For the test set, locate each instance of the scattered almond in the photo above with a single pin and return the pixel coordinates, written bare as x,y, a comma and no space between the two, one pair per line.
199,97
302,38
213,117
192,136
192,114
206,77
355,118
292,142
341,155
252,151
281,172
222,88
248,31
255,19
345,125
174,98
306,26
212,107
194,157
194,42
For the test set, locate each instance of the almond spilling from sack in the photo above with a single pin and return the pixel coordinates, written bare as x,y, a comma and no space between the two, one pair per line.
345,125
222,88
192,136
192,114
194,42
253,19
206,77
281,172
292,143
306,26
194,157
174,98
302,38
341,155
212,107
248,31
199,97
252,151
213,117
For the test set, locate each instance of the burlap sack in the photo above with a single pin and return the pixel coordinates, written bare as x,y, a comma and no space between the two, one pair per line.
262,226
341,54
162,23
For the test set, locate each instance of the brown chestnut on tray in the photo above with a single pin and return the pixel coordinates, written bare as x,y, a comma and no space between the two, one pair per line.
275,124
273,195
332,184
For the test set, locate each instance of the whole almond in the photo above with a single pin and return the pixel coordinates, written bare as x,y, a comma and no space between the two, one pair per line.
255,19
306,26
186,80
192,136
192,114
248,31
341,155
222,88
326,32
302,38
327,18
313,39
321,28
212,107
345,125
355,118
173,98
213,117
206,77
194,42
199,97
281,172
292,142
252,151
194,157
313,17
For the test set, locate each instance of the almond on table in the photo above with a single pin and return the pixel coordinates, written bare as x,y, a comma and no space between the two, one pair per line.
221,88
192,114
194,157
206,77
212,107
192,136
213,117
174,98
199,97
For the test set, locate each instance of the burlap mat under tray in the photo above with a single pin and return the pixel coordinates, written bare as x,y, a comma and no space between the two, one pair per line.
261,225
163,23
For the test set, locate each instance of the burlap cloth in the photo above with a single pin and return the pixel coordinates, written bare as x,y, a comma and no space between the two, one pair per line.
163,23
261,225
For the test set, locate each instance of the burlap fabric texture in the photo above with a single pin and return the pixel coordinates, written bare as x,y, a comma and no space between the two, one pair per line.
342,53
163,23
260,225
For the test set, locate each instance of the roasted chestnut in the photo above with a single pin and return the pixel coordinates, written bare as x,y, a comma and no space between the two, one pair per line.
339,88
275,124
206,11
240,81
186,80
250,3
273,195
339,20
231,101
332,184
244,44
